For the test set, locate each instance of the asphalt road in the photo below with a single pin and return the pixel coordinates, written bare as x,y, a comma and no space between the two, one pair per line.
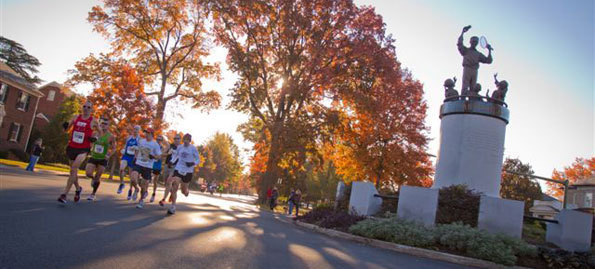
206,232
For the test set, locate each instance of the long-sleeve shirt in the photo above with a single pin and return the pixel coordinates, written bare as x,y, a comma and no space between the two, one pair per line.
186,154
472,57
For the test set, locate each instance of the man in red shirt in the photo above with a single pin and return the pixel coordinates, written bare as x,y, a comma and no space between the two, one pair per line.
79,145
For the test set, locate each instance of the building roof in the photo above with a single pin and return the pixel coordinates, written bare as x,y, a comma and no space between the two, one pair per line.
55,84
9,76
585,182
545,197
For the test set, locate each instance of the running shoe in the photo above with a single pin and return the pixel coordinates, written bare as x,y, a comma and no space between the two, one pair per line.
77,194
91,197
171,211
121,188
140,204
162,203
152,198
62,198
129,194
134,195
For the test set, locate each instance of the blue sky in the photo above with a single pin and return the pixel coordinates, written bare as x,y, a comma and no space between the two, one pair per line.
543,48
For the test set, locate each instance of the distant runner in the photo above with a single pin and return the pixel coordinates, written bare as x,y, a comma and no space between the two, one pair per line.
146,153
79,144
187,157
157,167
101,150
170,167
128,160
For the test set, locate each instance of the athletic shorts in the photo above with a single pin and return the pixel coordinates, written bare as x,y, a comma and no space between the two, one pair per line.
186,179
144,172
129,160
73,152
98,162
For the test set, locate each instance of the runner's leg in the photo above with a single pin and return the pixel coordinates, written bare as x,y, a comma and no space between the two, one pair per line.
73,179
97,178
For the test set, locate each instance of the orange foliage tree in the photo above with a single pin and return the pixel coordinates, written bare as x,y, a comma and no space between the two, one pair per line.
580,169
292,57
165,41
118,94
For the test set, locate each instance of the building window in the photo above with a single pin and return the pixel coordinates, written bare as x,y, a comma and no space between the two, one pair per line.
23,101
14,134
51,95
588,200
3,92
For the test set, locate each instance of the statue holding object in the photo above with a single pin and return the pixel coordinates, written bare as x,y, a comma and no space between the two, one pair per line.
471,60
449,89
501,89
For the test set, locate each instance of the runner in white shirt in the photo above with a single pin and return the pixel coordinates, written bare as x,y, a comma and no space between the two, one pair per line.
147,152
187,158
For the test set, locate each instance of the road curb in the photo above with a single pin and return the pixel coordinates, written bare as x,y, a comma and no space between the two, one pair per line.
418,252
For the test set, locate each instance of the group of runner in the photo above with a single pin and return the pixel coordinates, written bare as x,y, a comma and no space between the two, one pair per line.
142,156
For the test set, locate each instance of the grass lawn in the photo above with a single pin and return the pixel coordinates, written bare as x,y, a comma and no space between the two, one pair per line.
56,167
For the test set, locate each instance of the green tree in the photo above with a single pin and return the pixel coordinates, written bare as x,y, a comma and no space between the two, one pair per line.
321,182
518,187
54,137
17,58
222,161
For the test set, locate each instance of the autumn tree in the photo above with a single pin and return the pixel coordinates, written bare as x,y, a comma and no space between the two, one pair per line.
17,58
222,160
580,169
166,42
292,58
118,94
517,186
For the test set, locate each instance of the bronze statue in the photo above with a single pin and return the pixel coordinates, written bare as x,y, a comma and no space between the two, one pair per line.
471,60
502,89
449,89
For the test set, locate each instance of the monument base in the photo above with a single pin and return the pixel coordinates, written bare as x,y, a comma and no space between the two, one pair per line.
572,232
501,216
418,204
362,201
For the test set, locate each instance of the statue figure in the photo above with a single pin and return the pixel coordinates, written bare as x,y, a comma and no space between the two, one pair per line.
449,89
471,60
474,93
502,88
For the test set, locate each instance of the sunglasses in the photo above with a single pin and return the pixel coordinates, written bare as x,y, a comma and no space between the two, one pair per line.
104,123
86,106
177,138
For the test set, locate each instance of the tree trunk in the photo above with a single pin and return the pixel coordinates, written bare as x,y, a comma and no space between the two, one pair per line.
270,176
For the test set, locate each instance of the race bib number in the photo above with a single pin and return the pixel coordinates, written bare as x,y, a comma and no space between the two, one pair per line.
98,149
78,137
184,155
130,150
144,154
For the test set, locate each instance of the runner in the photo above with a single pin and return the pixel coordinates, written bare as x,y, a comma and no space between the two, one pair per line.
146,153
170,167
128,160
157,167
187,157
100,152
79,145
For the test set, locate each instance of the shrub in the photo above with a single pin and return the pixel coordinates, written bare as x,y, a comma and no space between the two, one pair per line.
395,230
324,216
564,259
21,155
458,203
456,237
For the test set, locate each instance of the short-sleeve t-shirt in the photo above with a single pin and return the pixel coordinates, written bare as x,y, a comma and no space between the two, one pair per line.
146,148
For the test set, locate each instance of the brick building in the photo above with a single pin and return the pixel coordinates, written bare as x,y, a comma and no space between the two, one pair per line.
54,95
18,106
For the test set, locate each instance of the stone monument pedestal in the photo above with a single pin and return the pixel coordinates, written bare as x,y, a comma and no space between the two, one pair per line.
572,232
362,201
501,216
418,204
471,145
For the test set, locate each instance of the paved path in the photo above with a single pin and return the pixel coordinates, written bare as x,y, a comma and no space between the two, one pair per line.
207,232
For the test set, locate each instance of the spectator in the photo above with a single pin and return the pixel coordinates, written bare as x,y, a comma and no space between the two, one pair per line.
296,200
269,193
35,154
274,196
290,202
